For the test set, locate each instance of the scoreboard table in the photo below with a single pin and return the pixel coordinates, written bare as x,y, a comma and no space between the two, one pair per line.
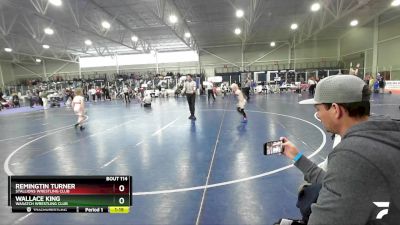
72,194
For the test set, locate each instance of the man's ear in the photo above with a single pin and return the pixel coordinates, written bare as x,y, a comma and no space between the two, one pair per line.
337,111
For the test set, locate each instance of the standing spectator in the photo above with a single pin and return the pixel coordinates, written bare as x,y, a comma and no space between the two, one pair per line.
317,79
92,92
376,86
223,90
189,88
68,97
98,93
382,85
246,88
103,91
125,89
371,83
43,95
39,97
85,94
210,91
130,92
107,93
312,84
367,77
30,97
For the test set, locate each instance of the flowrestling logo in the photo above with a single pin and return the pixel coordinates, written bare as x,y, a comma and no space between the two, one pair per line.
383,211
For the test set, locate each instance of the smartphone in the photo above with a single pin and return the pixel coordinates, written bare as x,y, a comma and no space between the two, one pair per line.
273,147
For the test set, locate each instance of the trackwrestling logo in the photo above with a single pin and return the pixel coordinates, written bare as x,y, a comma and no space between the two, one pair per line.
383,211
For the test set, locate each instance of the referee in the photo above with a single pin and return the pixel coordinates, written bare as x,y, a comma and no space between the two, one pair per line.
189,88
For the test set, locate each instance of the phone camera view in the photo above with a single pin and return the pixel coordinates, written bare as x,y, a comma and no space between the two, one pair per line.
273,147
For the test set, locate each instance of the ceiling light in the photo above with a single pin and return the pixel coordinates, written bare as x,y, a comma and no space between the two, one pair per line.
239,13
187,35
238,31
45,46
38,60
8,49
354,23
395,3
173,19
134,38
272,44
56,2
88,42
315,7
294,26
48,31
106,25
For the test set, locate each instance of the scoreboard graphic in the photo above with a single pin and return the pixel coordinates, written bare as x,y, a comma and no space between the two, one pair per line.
70,194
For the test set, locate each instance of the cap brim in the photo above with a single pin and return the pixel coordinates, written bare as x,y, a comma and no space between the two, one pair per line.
310,101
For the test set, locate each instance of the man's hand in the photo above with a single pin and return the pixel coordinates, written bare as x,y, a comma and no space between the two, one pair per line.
289,150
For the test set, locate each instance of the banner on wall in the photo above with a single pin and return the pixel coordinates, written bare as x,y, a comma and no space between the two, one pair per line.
216,79
393,86
205,83
139,59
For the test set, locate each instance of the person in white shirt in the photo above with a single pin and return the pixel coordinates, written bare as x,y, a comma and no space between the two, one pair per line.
210,92
223,90
92,92
125,89
147,100
241,101
354,71
189,88
312,84
78,104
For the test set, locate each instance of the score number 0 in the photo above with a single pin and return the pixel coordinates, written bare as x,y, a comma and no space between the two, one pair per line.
121,188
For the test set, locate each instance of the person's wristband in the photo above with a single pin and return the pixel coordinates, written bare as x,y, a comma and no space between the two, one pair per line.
297,157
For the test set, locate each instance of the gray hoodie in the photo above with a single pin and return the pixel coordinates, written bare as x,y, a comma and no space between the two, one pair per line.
363,169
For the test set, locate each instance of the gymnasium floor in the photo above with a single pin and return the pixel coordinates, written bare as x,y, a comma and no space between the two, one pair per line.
211,171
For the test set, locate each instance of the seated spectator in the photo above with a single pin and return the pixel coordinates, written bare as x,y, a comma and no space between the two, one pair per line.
15,100
362,169
147,100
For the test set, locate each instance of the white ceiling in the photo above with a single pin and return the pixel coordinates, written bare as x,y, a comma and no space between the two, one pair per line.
210,22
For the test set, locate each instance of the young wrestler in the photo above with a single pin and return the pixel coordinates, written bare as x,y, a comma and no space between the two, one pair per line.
241,101
78,104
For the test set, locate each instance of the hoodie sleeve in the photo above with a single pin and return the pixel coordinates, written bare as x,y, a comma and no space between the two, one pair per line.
347,190
312,172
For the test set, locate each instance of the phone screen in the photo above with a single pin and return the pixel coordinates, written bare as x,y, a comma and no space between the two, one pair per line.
273,147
